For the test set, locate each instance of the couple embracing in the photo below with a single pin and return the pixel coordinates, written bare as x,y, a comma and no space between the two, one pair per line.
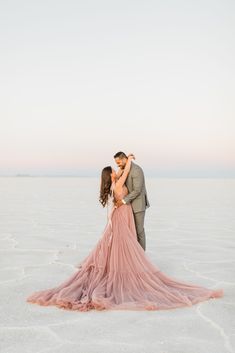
126,187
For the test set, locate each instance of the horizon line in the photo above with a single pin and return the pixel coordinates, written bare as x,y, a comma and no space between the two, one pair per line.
97,176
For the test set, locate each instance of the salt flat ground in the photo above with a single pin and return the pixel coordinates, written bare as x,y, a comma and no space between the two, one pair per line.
48,225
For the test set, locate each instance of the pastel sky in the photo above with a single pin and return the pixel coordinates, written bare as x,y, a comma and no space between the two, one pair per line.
81,80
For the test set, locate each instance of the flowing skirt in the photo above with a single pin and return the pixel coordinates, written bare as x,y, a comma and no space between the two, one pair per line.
118,275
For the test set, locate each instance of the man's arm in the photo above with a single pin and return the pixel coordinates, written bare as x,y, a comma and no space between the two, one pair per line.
138,181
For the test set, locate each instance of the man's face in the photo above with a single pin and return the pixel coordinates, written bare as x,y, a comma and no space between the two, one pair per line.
121,162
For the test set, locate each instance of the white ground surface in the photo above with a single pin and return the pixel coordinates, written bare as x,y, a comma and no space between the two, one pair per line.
48,225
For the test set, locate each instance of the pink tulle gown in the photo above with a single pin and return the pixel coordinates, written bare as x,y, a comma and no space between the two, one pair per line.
118,275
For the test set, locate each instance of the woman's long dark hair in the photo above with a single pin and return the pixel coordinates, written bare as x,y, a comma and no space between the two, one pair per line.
105,186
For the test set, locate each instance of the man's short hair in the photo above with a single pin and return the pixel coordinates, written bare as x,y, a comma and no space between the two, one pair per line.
120,155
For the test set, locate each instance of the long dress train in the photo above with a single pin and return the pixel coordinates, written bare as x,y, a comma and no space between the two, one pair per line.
118,275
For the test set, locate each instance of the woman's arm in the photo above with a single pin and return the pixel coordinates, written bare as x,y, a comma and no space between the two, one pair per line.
119,173
127,168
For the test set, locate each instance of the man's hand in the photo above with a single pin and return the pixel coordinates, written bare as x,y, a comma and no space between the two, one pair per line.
119,203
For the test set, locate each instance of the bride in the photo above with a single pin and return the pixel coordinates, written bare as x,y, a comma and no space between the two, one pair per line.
117,274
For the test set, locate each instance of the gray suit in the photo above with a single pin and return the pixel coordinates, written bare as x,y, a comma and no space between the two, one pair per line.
138,199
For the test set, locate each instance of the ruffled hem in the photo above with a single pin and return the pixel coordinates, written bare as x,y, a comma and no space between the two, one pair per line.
104,304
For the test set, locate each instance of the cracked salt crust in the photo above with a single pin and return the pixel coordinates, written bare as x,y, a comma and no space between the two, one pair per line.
190,242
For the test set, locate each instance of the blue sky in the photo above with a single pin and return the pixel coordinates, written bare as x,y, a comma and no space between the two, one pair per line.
81,80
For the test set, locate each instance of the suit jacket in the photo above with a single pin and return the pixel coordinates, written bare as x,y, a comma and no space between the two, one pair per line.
135,183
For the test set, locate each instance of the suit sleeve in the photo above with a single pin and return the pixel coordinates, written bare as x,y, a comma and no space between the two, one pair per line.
138,181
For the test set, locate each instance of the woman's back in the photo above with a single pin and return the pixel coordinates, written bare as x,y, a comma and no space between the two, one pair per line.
119,192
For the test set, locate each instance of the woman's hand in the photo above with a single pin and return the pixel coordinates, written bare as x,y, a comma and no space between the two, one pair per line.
131,156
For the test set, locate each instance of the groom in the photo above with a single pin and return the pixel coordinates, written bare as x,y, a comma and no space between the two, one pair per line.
137,195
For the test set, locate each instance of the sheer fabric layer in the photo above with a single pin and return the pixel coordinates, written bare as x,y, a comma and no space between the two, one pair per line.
118,275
